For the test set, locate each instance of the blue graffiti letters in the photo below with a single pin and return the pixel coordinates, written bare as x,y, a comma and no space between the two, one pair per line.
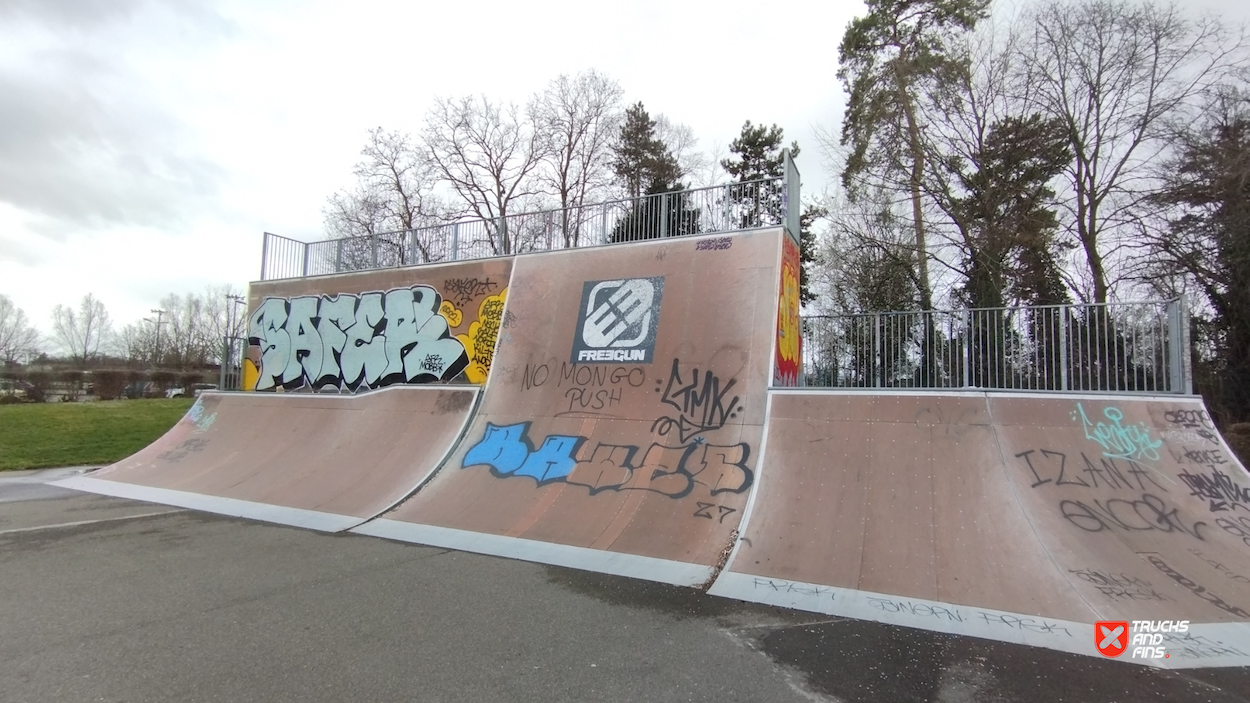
672,471
1120,441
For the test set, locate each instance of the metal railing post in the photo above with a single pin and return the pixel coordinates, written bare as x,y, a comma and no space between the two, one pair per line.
728,207
1063,348
338,257
968,352
305,259
226,349
412,246
1176,345
455,241
264,256
663,215
790,200
878,371
373,245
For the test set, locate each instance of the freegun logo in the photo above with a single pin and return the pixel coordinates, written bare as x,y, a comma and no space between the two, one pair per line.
1144,638
617,321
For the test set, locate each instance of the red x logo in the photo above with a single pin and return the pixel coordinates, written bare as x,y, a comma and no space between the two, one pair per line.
1111,637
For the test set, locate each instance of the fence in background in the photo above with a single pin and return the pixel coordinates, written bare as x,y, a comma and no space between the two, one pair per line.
770,202
233,350
1136,347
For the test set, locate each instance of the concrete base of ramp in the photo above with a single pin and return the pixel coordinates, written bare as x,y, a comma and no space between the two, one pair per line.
326,462
1019,518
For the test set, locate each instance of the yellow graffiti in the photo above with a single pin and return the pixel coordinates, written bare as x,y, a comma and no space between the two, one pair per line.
788,315
251,375
449,311
483,332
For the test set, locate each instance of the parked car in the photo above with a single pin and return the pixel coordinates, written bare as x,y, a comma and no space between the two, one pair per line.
196,390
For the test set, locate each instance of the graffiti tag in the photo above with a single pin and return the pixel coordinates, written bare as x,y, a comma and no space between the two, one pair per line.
1120,441
367,340
672,471
701,403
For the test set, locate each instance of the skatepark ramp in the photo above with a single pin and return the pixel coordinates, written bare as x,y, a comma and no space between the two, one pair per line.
619,430
1016,517
396,358
325,462
632,410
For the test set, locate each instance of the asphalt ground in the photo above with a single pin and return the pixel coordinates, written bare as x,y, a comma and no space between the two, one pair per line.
112,600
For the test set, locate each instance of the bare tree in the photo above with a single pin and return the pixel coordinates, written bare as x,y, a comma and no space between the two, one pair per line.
578,116
184,341
683,145
489,154
222,316
136,343
18,339
392,201
867,257
81,333
1115,73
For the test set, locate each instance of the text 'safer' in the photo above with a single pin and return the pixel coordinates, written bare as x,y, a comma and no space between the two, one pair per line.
353,341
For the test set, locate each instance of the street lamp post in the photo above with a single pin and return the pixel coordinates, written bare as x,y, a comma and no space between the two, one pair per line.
232,331
160,314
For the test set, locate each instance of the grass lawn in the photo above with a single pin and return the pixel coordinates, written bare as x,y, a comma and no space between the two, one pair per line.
38,435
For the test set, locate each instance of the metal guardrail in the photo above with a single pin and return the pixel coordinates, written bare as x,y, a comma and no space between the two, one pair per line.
1134,347
770,202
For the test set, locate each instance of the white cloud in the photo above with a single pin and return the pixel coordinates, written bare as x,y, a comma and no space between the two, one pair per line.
145,146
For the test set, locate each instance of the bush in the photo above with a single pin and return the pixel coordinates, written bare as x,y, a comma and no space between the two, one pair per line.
39,382
109,384
11,400
190,379
73,384
1238,439
164,380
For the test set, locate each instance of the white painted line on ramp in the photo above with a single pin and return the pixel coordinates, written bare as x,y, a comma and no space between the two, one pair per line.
679,573
1205,645
37,528
233,507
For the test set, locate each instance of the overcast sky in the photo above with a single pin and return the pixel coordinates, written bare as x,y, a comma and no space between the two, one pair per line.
145,146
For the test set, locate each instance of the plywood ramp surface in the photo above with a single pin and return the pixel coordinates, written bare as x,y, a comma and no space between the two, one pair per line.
314,460
1025,518
620,428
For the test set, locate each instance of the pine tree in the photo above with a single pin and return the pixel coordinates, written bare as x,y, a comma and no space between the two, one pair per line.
758,151
645,167
757,155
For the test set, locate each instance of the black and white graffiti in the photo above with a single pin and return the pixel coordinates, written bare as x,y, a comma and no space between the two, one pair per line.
355,341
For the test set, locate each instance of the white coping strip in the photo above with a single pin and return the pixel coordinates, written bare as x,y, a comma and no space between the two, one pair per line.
452,446
1204,645
745,521
319,397
296,517
649,568
991,393
78,523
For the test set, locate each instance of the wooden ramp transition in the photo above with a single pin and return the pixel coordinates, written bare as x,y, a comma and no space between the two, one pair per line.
322,461
1014,517
620,427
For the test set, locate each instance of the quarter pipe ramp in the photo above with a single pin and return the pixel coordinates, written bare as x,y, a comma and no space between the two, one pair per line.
321,461
1015,517
620,427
